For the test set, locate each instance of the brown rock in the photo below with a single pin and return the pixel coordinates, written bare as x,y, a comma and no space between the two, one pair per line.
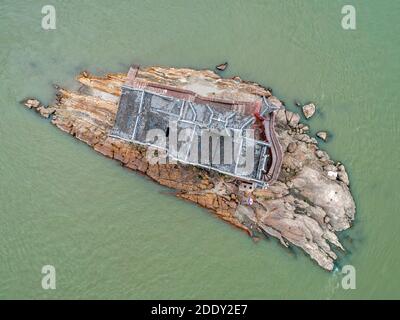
292,119
342,175
292,147
45,112
309,110
280,117
222,66
323,135
274,100
32,103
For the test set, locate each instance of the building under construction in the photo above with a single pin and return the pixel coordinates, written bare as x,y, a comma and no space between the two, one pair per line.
235,132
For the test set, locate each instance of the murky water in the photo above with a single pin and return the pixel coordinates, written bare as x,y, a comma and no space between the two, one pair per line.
112,233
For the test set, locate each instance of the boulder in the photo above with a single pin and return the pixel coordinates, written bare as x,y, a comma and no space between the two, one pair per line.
222,66
32,103
309,110
292,147
274,100
332,175
292,119
330,167
342,175
323,135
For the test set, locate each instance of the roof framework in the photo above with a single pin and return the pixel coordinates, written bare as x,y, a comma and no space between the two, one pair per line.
143,107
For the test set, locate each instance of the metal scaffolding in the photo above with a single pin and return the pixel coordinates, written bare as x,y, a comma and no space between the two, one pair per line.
142,108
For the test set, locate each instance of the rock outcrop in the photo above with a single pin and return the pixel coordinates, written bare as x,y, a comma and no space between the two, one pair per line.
306,207
222,66
309,110
323,135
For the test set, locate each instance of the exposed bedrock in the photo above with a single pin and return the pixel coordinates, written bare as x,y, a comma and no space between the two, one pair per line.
306,207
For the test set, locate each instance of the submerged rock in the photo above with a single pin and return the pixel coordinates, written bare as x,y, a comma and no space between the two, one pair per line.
304,208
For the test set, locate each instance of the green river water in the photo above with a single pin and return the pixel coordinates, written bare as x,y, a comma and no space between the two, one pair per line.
111,233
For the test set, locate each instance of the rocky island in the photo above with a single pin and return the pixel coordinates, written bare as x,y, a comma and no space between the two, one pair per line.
305,205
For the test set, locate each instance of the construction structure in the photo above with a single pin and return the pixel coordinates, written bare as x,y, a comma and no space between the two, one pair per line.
235,138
